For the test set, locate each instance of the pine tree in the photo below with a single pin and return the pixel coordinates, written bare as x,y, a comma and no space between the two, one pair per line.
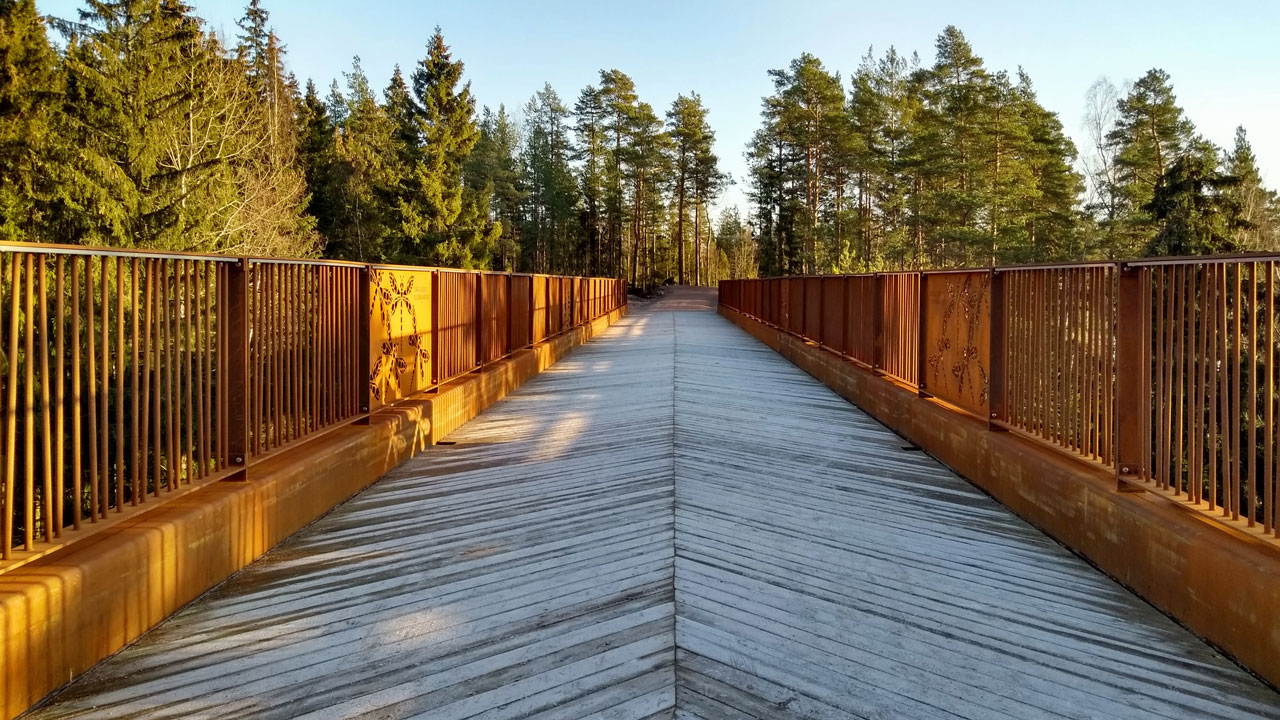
618,99
953,155
687,120
645,167
1050,217
35,161
708,181
551,228
493,165
1150,134
592,153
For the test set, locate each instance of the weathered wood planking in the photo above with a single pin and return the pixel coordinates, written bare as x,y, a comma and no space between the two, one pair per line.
824,571
524,572
819,571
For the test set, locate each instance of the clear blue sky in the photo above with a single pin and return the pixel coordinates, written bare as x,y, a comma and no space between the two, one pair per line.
1223,56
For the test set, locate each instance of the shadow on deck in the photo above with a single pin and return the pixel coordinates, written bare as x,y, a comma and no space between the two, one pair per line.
672,522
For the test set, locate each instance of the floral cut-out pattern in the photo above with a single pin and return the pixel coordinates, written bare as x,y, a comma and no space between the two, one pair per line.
400,322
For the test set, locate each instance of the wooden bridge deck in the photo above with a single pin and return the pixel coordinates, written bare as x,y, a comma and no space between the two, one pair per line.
673,522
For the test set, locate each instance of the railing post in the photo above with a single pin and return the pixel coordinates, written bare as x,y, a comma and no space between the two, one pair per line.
1131,396
922,334
996,415
238,331
364,390
435,329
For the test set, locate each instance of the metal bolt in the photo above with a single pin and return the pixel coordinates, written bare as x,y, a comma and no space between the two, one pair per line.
239,460
993,416
1124,469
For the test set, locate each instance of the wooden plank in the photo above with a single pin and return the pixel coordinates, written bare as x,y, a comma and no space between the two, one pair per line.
672,522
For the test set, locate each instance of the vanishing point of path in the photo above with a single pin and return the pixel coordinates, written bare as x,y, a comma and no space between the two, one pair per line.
672,522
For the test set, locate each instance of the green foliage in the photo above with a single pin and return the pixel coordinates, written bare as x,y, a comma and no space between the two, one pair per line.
36,164
494,168
1149,135
1195,207
145,130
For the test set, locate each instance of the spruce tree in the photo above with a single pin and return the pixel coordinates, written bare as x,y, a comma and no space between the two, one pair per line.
36,175
1259,207
317,156
366,174
455,230
1195,206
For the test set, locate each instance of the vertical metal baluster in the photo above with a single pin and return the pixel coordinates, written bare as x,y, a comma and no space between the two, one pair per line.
1211,287
60,396
188,351
200,466
91,393
1268,499
11,409
172,457
1234,413
155,305
134,390
46,410
204,366
29,402
104,397
147,464
121,472
77,395
1252,491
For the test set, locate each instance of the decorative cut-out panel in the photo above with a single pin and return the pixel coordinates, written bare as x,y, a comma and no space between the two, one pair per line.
957,339
400,326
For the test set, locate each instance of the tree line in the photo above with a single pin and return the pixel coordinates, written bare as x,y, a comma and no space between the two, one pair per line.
144,129
951,164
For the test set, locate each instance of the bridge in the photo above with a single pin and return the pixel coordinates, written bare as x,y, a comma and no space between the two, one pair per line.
674,520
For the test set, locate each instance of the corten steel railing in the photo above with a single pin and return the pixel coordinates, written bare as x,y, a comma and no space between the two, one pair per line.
126,376
1164,371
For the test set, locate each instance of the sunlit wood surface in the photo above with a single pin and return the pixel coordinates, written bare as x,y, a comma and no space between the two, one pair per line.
674,521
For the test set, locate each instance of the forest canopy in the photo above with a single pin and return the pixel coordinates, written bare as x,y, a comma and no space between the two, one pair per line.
134,125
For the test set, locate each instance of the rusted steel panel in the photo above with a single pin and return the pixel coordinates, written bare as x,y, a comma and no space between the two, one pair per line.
541,313
834,309
958,326
400,327
521,313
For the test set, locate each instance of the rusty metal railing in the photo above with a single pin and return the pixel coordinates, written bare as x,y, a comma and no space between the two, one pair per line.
126,376
1164,371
